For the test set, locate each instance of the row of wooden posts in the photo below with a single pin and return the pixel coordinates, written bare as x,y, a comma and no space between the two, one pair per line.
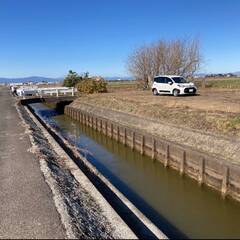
149,145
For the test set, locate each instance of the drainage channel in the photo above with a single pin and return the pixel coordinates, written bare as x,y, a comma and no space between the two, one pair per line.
174,204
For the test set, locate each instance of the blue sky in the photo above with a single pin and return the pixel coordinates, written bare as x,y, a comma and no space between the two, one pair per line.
49,37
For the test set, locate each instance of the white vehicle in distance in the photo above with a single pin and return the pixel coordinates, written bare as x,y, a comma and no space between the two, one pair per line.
172,84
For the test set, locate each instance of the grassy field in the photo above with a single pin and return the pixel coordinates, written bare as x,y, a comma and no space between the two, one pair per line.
122,85
215,109
231,83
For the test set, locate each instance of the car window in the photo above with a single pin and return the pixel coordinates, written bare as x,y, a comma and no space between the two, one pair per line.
159,79
179,80
167,80
162,80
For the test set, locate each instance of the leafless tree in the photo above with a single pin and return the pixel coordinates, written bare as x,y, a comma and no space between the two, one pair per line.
180,57
140,64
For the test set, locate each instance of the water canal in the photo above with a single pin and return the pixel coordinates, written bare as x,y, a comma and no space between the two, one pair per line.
177,205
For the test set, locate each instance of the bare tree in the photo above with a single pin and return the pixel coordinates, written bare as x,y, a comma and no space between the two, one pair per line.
140,64
180,57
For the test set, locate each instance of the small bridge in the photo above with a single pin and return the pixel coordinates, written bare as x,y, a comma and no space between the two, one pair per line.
60,101
35,91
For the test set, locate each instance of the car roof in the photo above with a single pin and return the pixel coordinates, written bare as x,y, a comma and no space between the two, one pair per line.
168,76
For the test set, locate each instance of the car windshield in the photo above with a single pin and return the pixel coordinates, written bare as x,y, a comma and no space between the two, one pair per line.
179,80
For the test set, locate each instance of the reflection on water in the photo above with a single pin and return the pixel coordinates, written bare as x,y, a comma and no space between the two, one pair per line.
174,203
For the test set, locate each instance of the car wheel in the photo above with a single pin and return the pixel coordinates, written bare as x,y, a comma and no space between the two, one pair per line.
155,92
175,92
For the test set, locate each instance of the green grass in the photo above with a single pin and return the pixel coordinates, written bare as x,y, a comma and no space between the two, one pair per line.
230,83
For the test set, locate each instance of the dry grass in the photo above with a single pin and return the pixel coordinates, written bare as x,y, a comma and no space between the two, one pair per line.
215,110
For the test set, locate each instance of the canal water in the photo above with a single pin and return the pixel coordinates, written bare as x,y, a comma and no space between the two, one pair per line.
177,205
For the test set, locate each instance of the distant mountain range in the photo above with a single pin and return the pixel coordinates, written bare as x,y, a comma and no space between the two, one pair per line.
118,78
30,79
35,79
237,73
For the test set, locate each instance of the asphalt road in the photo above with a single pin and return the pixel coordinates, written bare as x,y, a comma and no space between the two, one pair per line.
27,209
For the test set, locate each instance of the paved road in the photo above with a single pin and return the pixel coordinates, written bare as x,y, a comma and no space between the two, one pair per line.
26,206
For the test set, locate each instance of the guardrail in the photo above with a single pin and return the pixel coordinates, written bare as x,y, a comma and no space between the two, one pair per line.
216,173
56,91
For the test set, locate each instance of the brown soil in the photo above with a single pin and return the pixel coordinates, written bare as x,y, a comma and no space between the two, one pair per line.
215,110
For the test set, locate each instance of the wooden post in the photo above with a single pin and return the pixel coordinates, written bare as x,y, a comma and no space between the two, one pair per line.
153,147
166,157
225,180
142,144
111,130
96,123
125,137
92,122
182,164
106,127
118,137
81,117
133,140
87,120
100,125
201,171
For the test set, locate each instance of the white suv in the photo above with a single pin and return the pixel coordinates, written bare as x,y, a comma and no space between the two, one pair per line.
172,84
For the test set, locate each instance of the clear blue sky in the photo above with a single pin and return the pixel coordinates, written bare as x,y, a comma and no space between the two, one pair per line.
49,37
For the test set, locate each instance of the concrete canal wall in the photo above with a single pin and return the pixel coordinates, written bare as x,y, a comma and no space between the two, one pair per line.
215,172
136,221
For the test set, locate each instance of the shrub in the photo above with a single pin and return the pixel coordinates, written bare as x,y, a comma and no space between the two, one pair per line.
71,79
91,85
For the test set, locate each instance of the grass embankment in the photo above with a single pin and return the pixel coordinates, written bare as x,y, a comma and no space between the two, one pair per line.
215,110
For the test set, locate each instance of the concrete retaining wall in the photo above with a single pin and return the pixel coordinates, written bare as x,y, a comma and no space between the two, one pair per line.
216,173
141,226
